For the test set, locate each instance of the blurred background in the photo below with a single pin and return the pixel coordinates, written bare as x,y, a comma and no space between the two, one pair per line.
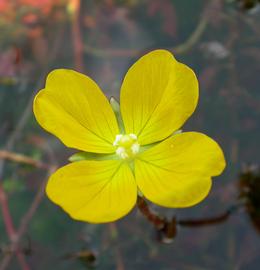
219,39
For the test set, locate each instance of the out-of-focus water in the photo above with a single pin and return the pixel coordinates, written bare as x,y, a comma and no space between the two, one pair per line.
219,40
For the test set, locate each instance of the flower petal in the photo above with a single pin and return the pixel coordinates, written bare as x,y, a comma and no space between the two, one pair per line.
177,172
158,94
73,108
94,191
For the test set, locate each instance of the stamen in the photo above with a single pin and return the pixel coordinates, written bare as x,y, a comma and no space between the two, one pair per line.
135,148
127,145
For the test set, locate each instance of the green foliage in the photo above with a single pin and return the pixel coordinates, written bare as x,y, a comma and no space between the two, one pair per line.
13,185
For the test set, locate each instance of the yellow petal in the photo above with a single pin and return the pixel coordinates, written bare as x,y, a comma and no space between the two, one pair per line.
158,94
94,191
73,108
177,172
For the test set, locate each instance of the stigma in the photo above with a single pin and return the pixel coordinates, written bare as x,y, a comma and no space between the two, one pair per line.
126,145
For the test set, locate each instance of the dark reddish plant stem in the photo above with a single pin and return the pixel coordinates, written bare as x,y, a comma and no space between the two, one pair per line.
11,232
168,229
157,221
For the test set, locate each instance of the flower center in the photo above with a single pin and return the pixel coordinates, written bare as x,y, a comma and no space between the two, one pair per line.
127,145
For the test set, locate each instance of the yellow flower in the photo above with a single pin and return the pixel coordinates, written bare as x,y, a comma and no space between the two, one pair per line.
145,155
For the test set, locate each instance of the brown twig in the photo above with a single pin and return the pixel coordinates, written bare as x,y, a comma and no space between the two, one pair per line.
19,158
